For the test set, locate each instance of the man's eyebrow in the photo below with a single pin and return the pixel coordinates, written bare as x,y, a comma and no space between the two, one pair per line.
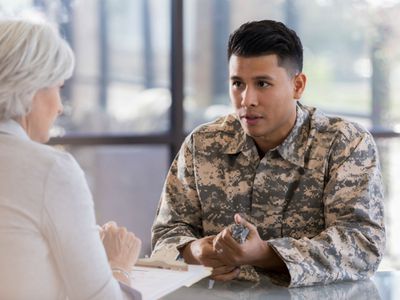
235,78
261,77
264,77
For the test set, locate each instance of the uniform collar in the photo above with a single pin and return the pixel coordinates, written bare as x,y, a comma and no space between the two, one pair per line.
240,141
13,128
292,148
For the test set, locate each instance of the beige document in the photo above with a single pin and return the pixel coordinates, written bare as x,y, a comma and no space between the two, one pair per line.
149,283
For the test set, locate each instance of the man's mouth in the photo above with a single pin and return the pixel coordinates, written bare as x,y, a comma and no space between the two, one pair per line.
251,119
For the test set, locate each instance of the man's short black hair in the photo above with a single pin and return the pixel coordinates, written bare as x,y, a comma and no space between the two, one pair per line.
268,37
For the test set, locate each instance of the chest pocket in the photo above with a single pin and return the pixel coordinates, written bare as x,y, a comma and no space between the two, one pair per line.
303,215
224,185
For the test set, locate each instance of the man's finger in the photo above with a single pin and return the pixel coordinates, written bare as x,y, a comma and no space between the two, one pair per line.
222,270
240,220
227,276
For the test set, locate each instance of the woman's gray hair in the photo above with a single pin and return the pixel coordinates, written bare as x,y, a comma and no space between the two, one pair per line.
33,56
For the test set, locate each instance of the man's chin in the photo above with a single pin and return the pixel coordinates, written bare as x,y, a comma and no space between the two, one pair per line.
253,132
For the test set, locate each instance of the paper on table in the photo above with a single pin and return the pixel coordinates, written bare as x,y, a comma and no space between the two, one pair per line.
153,283
162,264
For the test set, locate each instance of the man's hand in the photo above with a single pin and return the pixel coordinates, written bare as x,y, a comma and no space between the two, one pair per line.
254,251
201,251
225,273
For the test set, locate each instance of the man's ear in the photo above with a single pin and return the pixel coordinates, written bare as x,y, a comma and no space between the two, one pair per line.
299,85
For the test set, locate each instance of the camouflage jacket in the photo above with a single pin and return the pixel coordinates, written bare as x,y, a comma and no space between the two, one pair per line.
317,199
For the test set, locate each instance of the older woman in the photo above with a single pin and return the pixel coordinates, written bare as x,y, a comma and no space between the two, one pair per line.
50,247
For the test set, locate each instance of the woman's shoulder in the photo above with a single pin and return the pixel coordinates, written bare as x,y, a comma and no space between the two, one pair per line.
45,156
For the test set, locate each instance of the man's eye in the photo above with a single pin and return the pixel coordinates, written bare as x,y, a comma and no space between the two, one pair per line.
236,83
263,84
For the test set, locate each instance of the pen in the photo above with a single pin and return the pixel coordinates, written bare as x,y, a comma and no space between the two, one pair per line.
211,284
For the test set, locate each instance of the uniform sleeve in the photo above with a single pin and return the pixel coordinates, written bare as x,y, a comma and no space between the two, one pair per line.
69,225
178,220
352,245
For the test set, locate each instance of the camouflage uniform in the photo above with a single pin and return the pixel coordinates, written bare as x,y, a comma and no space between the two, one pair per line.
317,198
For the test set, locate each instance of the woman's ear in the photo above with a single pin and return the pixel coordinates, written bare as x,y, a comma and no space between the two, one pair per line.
299,85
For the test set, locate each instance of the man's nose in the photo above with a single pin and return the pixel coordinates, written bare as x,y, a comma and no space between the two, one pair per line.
249,97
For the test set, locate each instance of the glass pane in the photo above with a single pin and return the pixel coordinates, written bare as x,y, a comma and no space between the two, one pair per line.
121,82
389,150
126,183
352,70
122,47
351,57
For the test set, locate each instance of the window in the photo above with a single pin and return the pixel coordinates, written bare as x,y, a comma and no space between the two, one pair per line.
148,72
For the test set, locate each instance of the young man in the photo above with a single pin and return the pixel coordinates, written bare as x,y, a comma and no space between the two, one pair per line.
307,186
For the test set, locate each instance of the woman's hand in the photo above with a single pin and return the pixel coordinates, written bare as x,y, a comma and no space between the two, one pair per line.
122,247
